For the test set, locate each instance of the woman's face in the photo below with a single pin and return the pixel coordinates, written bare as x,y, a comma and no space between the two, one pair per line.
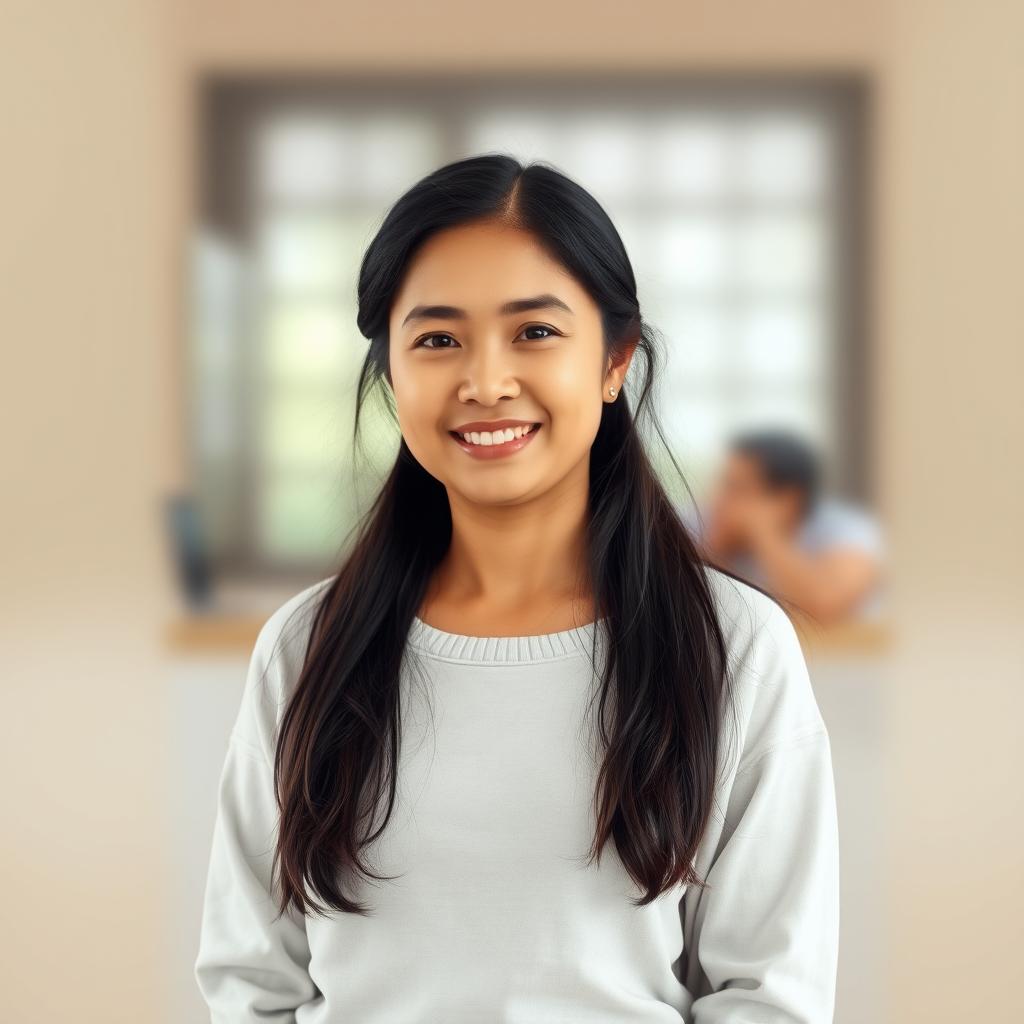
485,328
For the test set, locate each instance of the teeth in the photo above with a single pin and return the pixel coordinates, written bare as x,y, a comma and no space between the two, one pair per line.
488,437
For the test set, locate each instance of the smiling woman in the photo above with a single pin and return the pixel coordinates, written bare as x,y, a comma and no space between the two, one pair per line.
483,846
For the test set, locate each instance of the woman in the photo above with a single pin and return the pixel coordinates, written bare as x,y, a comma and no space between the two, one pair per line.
524,757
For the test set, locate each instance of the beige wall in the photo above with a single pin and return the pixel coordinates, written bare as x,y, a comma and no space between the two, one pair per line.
95,197
951,418
86,274
573,35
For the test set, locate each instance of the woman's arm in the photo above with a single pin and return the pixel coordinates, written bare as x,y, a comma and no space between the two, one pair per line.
250,966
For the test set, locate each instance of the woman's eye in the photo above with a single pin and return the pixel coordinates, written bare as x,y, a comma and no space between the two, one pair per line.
429,336
540,327
422,343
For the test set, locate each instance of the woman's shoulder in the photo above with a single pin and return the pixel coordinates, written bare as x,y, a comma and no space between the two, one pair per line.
771,685
286,631
274,666
748,617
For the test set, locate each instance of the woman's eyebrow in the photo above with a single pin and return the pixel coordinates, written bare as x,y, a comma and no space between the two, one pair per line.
547,301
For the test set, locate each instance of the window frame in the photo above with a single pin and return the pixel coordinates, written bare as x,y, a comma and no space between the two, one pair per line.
231,108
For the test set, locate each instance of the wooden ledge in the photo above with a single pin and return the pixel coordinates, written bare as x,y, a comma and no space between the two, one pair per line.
854,638
213,634
236,635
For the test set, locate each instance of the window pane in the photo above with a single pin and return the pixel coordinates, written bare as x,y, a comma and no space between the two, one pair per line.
307,426
311,340
313,250
605,152
302,515
781,342
691,155
524,134
694,421
305,156
697,342
797,408
693,252
394,149
345,155
781,252
217,287
782,156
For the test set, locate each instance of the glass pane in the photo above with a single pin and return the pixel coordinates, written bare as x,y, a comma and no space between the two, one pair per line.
313,249
697,342
605,153
693,252
781,252
307,426
694,421
302,515
797,408
312,340
395,149
782,155
780,343
691,155
217,286
331,156
306,156
524,134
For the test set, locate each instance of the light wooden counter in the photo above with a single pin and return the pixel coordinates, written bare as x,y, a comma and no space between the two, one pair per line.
236,635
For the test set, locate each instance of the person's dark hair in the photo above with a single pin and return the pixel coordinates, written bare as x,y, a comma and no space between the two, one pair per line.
785,460
663,686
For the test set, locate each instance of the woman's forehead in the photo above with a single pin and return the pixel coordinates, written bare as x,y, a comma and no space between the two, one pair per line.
474,253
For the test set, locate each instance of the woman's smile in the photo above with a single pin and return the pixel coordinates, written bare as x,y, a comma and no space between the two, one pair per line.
497,444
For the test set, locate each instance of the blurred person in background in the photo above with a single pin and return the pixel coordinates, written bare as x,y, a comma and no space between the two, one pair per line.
768,521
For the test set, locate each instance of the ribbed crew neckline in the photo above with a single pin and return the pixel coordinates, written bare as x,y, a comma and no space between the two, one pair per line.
564,643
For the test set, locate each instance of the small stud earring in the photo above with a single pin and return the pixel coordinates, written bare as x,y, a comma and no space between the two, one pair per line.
611,391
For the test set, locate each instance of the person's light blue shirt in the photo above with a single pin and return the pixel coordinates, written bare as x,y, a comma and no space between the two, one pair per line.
834,523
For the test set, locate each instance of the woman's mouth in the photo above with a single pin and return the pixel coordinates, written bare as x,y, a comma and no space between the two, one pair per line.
501,443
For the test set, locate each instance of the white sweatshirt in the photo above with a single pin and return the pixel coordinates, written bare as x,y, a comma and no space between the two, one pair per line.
494,917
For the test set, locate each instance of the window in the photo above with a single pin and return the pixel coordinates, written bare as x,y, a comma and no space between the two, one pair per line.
739,202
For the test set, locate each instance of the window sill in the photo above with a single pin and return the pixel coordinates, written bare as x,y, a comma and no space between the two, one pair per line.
235,634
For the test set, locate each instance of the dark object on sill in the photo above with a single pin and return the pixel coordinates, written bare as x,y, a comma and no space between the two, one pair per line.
188,549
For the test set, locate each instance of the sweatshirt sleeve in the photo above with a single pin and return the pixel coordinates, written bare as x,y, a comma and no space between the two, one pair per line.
764,938
251,965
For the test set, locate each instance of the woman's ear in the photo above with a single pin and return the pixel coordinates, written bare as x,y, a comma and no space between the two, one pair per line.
625,356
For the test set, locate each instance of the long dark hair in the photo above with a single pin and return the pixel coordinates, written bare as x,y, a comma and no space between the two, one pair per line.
664,683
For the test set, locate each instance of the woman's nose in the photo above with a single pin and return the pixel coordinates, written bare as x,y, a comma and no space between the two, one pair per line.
489,376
